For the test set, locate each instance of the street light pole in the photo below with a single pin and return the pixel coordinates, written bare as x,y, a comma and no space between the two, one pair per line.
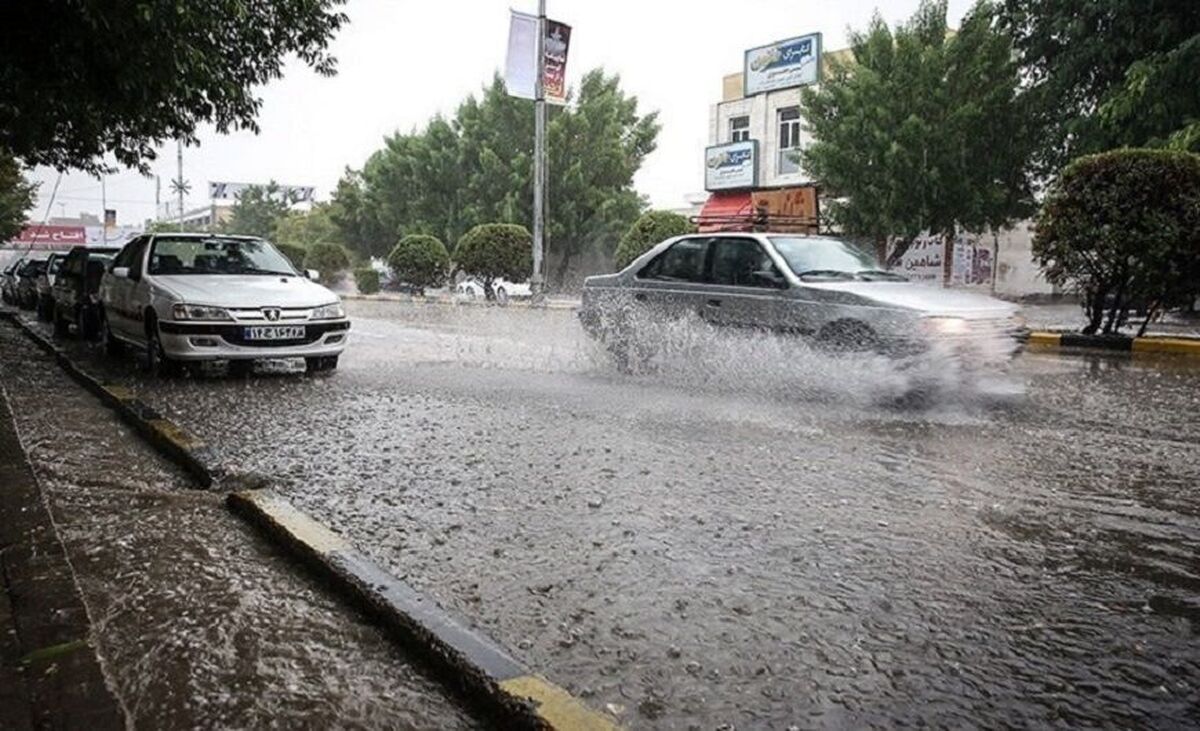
539,159
179,167
103,210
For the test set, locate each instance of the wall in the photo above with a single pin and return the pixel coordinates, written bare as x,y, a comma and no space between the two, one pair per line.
1017,274
1001,263
763,110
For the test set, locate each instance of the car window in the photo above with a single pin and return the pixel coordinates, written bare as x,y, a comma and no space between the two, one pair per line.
683,262
735,261
217,255
129,254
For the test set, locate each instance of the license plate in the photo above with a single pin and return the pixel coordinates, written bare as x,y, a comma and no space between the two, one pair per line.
275,332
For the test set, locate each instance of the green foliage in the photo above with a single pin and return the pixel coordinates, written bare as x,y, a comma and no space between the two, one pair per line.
305,228
294,253
163,226
923,131
16,197
257,212
84,79
494,251
477,168
1107,73
420,261
330,261
1124,227
367,280
651,228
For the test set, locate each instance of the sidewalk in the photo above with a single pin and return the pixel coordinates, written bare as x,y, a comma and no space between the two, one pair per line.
1069,317
50,676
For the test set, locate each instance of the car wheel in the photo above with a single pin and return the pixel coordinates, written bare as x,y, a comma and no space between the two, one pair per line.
157,360
62,328
501,296
847,336
320,364
112,346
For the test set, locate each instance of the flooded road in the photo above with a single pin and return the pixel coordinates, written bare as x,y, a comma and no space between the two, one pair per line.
745,536
197,621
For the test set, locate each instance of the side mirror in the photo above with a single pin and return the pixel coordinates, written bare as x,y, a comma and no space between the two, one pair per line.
312,274
770,278
120,272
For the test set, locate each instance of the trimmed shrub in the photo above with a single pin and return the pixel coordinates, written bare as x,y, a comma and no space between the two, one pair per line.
494,251
651,228
420,261
330,261
1123,227
294,253
367,280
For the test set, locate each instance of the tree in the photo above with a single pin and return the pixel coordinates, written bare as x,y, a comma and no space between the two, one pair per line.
16,197
1107,73
294,253
1124,227
494,251
922,132
420,261
477,168
367,280
330,261
651,228
257,212
126,76
305,228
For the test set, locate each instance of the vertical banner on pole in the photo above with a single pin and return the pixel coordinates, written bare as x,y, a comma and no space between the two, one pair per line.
555,46
520,64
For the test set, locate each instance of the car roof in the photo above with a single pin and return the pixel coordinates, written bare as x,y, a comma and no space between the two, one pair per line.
203,235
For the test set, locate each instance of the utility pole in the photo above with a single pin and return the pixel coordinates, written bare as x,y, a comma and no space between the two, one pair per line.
157,198
181,186
103,211
539,159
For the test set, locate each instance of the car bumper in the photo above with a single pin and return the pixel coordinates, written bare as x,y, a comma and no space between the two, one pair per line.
201,341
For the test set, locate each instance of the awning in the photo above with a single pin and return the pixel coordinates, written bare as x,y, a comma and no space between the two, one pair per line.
727,211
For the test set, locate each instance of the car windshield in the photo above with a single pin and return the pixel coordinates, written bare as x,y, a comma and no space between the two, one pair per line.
821,257
217,255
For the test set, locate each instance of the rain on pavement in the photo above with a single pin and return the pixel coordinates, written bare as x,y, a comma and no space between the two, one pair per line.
749,535
198,623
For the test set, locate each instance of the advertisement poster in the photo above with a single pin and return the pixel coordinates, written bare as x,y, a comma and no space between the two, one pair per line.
923,261
520,67
782,65
731,166
554,49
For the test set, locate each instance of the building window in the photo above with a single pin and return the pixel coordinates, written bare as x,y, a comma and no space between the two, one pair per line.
739,129
789,140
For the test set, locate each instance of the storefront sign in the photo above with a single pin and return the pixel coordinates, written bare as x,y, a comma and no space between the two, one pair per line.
37,236
782,65
731,166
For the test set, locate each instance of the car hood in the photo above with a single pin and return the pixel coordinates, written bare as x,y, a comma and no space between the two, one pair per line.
922,298
231,290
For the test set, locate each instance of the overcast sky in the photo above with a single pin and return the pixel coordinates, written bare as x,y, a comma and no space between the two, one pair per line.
401,62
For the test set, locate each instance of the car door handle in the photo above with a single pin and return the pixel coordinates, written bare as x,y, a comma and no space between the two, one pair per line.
713,303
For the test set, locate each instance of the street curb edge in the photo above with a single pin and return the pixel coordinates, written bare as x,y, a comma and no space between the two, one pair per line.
169,439
1119,343
470,661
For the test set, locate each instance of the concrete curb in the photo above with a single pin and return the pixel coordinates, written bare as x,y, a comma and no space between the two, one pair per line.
172,441
411,300
469,660
1120,343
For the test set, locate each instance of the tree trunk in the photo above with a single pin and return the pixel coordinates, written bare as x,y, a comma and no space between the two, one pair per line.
564,264
1149,316
1094,309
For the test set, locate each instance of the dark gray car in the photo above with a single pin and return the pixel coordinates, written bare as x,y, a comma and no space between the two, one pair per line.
818,287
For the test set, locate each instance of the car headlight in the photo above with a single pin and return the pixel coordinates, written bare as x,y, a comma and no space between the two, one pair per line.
334,311
946,325
199,312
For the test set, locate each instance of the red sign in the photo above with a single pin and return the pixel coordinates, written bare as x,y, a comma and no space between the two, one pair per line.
51,236
555,45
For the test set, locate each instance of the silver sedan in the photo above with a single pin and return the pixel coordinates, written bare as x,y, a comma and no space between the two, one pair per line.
819,287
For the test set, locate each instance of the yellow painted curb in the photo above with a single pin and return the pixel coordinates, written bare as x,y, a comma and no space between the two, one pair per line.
303,528
177,436
1043,338
120,393
555,706
1166,345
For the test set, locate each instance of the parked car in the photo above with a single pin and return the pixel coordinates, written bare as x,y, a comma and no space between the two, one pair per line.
8,281
75,298
27,275
819,287
196,297
473,289
45,283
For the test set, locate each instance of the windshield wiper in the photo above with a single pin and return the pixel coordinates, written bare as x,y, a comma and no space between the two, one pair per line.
255,270
882,274
826,273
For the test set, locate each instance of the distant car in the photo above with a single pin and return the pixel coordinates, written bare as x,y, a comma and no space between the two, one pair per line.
196,297
75,298
27,275
818,287
504,289
45,283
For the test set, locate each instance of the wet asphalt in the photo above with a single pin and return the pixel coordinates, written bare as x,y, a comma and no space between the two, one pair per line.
752,534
